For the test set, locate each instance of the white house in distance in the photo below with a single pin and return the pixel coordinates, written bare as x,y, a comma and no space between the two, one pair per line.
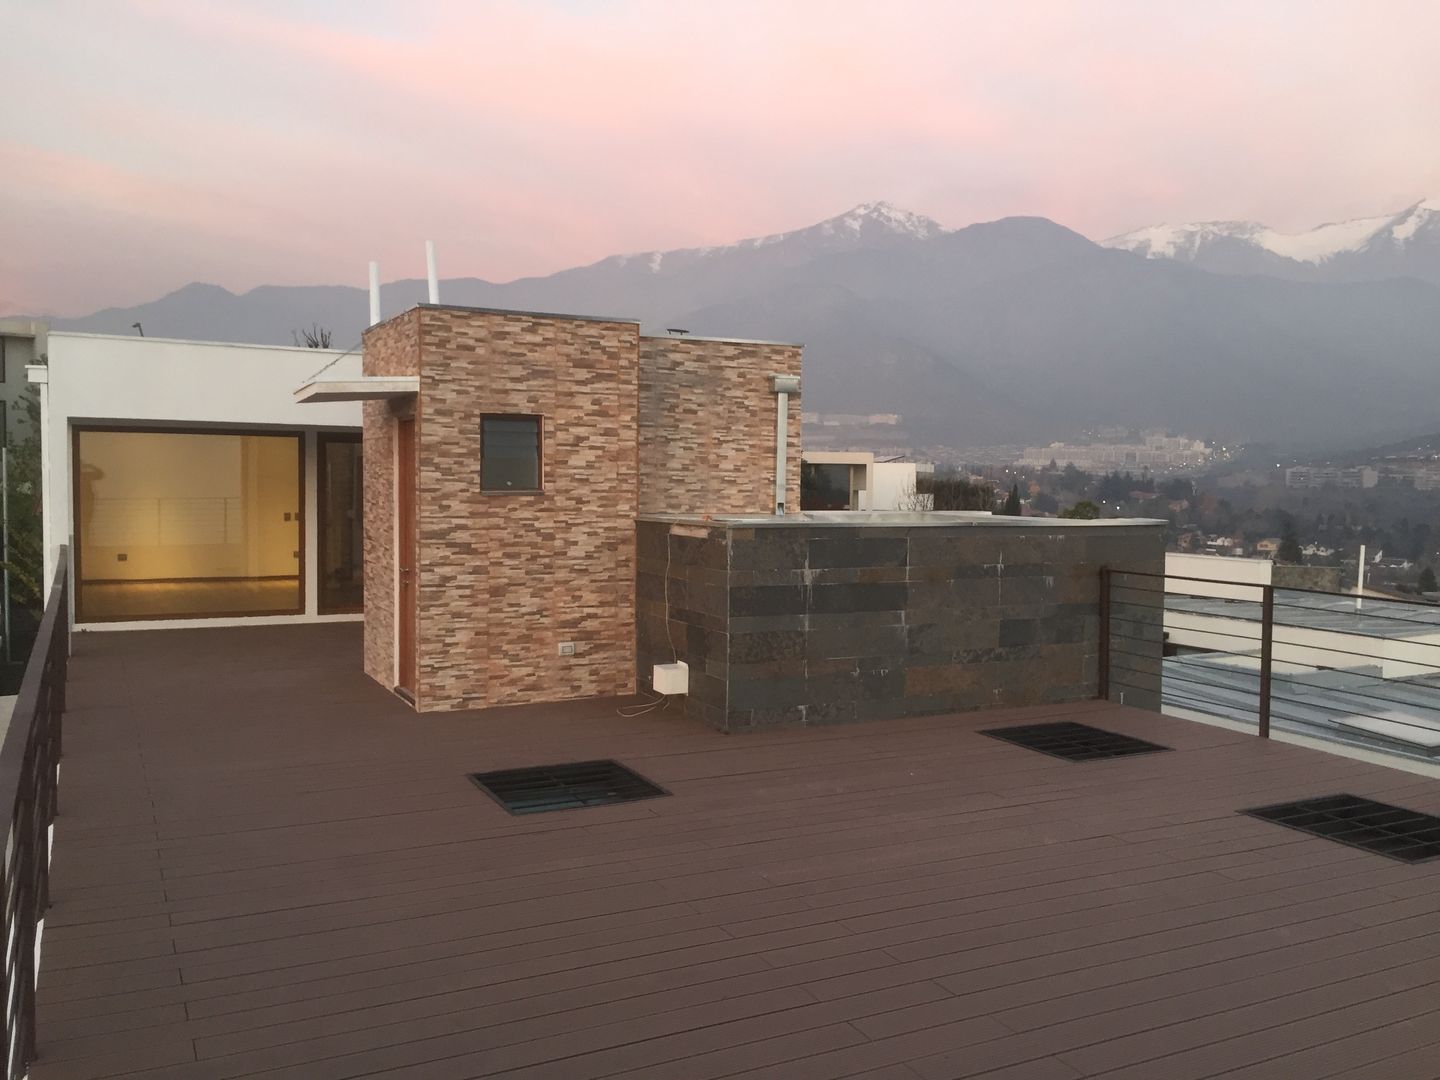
192,488
854,480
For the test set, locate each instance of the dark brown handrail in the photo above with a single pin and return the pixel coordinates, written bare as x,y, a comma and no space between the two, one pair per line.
29,775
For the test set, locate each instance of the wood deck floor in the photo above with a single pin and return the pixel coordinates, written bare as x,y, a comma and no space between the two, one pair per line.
266,867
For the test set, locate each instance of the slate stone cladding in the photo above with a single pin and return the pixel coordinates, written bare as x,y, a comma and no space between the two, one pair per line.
504,579
832,624
686,570
707,426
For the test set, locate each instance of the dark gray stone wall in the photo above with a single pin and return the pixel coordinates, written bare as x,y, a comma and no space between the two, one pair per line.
816,625
688,566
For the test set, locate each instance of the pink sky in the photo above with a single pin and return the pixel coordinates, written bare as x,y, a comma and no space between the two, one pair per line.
148,144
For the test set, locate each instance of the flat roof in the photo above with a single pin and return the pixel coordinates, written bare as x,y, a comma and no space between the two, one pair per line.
725,340
1356,705
586,318
138,339
1316,611
521,311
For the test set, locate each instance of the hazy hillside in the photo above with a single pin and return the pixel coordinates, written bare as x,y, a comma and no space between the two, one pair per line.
1010,330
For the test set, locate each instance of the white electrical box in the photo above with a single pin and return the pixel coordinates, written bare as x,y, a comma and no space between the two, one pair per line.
671,678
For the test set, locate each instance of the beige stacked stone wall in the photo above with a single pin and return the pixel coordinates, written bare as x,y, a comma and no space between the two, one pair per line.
503,579
391,348
707,426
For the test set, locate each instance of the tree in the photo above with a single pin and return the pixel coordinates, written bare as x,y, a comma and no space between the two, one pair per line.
1073,480
1012,502
949,492
25,558
1289,549
1427,581
317,337
1084,510
1045,503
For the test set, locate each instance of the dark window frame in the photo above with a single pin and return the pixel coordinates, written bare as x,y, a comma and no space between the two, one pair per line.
539,419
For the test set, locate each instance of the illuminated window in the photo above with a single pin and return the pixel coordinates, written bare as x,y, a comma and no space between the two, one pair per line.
187,524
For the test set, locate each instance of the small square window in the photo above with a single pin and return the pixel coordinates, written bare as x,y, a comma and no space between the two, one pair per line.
509,453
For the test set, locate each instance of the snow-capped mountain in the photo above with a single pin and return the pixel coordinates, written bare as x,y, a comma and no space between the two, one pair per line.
867,225
1361,249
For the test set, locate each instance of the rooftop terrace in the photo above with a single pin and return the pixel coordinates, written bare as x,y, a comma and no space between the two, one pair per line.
268,867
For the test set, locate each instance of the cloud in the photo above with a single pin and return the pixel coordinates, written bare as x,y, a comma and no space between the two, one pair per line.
276,142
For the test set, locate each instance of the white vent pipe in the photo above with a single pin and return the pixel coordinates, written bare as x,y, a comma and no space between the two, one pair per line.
1360,579
430,272
374,293
784,386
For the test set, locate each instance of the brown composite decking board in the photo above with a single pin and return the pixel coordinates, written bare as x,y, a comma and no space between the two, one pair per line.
266,866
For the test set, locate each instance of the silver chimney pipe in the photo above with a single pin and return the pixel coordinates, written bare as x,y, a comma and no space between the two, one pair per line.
430,272
374,293
783,386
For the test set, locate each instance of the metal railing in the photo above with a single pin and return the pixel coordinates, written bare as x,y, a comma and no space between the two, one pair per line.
1356,669
29,780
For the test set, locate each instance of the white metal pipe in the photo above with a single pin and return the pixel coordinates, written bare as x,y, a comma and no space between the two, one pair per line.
782,423
430,273
374,293
1360,579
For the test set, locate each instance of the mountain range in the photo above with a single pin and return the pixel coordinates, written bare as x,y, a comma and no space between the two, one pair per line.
1000,332
1361,249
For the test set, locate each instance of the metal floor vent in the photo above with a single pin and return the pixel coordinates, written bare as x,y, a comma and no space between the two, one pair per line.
1388,830
565,787
1073,742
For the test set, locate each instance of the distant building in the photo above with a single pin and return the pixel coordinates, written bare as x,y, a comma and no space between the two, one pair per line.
850,419
854,480
1309,476
1156,451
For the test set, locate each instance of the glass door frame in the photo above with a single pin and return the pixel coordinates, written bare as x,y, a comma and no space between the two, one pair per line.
76,545
322,439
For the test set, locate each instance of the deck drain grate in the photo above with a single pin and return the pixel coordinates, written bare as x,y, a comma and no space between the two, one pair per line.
565,787
1393,831
1073,742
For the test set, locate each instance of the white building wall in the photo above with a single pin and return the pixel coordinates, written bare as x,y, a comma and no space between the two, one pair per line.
149,382
892,485
1220,568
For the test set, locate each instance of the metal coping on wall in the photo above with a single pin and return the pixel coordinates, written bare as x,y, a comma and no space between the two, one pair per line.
517,311
595,318
722,340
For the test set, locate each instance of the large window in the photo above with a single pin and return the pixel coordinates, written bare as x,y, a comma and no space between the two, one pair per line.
510,454
342,556
175,525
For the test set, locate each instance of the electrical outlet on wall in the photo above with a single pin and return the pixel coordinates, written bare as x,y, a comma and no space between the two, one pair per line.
122,557
567,648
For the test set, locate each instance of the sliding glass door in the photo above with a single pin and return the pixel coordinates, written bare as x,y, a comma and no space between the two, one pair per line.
341,551
174,524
